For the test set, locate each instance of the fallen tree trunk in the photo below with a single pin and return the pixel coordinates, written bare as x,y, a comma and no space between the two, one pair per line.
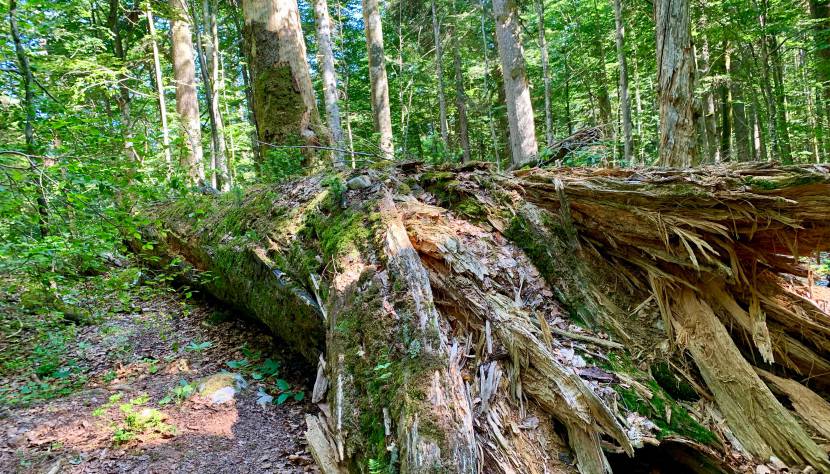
534,322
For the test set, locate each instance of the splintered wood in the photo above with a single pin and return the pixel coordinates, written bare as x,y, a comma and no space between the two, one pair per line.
513,323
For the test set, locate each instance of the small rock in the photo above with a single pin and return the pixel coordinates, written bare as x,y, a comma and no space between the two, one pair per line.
762,469
359,182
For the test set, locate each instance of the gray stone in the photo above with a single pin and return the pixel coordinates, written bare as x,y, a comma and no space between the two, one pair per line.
359,182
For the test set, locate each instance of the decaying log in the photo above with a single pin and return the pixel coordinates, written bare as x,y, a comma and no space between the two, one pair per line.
534,321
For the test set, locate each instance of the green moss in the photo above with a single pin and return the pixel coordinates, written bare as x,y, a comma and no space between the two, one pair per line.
678,388
679,421
757,183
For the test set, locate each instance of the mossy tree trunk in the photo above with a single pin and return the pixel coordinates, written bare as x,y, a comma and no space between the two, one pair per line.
477,322
283,96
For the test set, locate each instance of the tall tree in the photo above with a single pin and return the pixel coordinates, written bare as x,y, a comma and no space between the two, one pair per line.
187,103
321,12
543,57
675,78
523,144
439,74
159,80
220,177
625,101
377,76
283,96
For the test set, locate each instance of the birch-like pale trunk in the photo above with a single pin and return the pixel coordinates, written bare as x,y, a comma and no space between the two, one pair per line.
165,130
625,101
377,76
439,75
324,45
187,103
743,148
220,177
710,117
675,77
523,146
543,49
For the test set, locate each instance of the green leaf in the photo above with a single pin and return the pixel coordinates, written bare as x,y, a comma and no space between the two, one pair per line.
269,367
236,364
283,397
282,385
299,396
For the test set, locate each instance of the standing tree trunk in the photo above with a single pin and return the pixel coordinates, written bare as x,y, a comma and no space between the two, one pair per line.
245,68
321,12
709,104
165,130
490,121
461,105
283,96
523,144
29,104
220,177
725,148
675,77
568,119
743,146
377,77
625,101
187,103
543,49
439,73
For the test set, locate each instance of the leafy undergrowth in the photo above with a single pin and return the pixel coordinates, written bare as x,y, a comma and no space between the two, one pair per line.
120,372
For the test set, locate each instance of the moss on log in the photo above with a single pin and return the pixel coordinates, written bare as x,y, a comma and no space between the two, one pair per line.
479,322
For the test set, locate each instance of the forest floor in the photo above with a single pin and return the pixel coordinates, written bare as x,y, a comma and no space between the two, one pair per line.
155,381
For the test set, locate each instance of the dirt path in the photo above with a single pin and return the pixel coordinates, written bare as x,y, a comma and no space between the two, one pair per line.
171,385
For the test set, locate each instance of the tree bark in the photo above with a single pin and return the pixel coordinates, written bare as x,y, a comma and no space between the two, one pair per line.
377,77
625,101
543,49
283,96
321,13
187,103
165,130
523,146
439,76
221,177
208,55
441,357
709,105
675,77
743,145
